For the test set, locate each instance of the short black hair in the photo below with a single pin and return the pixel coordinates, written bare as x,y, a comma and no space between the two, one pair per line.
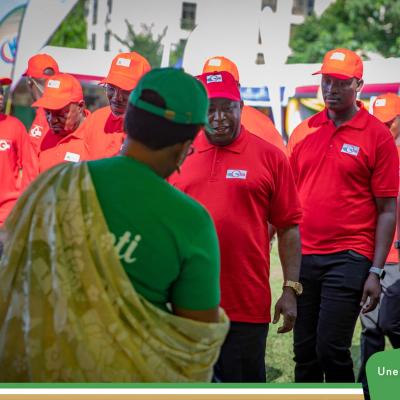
153,131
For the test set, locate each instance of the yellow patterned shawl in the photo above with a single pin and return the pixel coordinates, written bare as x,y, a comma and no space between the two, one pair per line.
68,311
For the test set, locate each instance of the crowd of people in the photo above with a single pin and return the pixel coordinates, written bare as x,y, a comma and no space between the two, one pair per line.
126,267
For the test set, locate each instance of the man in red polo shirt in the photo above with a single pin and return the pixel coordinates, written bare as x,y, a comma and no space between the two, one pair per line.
104,130
15,155
40,68
253,120
385,319
346,171
245,182
66,112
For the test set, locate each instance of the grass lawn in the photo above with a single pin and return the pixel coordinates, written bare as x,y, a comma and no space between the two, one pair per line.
279,356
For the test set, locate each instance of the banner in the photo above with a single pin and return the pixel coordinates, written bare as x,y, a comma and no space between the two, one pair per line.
11,15
37,28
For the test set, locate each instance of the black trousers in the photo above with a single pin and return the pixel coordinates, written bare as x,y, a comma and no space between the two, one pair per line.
242,357
327,313
381,322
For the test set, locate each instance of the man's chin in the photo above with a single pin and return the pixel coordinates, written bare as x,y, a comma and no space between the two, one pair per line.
117,112
219,140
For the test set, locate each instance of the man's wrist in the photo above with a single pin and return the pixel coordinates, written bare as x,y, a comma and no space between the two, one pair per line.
379,272
287,289
294,286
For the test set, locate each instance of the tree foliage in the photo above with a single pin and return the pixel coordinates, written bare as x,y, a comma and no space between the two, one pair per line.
144,42
73,30
360,25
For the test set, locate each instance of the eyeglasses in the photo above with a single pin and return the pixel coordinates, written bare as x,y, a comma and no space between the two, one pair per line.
60,114
39,84
111,90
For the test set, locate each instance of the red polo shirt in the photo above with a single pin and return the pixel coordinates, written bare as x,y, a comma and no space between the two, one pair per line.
258,123
243,186
56,149
104,134
339,171
393,256
16,153
38,129
299,133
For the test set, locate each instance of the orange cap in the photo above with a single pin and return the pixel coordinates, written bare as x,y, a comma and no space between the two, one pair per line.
60,90
386,107
126,70
38,64
220,63
342,63
5,81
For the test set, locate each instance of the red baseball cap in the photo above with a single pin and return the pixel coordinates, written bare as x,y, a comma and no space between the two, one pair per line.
220,84
59,91
38,64
386,107
5,81
220,63
126,70
342,64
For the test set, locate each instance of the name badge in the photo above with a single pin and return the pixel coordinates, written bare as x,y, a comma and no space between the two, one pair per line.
351,149
73,157
236,174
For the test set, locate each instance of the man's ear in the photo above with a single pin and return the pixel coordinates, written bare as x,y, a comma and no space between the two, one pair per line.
82,105
360,84
182,151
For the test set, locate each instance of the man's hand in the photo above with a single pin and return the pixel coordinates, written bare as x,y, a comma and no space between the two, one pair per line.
372,290
287,306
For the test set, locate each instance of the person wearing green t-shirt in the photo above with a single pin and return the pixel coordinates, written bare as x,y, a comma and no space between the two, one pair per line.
110,274
165,240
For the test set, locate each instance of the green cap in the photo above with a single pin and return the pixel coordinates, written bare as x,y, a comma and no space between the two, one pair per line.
185,97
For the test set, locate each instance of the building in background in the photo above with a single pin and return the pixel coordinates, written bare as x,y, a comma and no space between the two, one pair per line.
107,17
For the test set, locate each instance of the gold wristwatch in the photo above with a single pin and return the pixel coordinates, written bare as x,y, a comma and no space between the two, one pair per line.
296,286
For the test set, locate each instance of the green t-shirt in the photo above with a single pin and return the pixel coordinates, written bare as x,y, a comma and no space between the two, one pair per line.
165,240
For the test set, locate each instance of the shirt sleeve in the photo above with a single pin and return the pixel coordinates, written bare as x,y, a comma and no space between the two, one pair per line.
197,286
27,158
285,209
385,176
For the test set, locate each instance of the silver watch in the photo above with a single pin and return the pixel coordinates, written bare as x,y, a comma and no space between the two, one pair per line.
378,271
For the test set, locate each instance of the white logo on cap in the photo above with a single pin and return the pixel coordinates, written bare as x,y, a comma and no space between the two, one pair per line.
214,62
350,149
380,103
337,55
124,62
73,157
53,83
214,78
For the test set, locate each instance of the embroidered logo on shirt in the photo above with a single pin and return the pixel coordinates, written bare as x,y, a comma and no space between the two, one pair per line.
350,149
36,131
5,144
337,55
236,174
73,157
214,78
123,62
53,83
